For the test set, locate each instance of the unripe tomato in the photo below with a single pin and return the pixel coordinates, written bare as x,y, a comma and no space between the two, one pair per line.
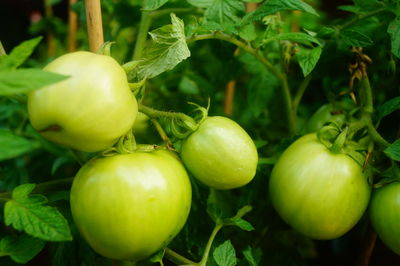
91,109
220,154
129,206
323,115
385,215
320,194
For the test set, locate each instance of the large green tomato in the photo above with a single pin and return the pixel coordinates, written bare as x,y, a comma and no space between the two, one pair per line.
88,111
385,215
220,154
129,206
317,192
326,113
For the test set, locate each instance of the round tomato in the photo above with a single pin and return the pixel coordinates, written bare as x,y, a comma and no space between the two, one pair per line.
317,192
220,154
129,206
326,113
385,215
88,111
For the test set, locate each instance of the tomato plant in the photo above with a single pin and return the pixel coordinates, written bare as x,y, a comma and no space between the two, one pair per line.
220,154
385,214
130,206
91,109
317,192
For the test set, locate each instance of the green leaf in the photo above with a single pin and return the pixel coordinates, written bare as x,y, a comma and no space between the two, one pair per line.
394,32
28,213
224,11
299,37
368,5
248,255
19,54
388,107
26,80
225,255
151,5
201,3
219,205
21,248
248,32
167,49
356,38
393,151
274,6
241,223
308,58
13,146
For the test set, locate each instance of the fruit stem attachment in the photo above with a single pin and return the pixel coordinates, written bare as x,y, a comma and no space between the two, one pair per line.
153,113
162,133
207,250
339,142
177,258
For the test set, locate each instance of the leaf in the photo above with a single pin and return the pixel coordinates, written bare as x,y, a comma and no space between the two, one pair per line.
248,255
241,223
393,151
27,213
224,11
26,80
201,3
13,146
19,54
368,5
394,32
219,205
248,32
225,255
151,5
299,37
167,49
388,107
273,6
22,248
356,38
308,58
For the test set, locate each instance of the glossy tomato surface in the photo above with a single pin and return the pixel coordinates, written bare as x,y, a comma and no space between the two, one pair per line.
220,154
317,192
385,215
326,113
129,206
88,111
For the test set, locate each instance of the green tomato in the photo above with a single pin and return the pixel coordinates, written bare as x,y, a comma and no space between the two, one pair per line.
129,206
385,215
320,194
220,154
326,113
88,111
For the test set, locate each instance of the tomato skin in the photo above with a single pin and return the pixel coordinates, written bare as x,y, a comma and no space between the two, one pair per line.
323,115
385,215
88,111
220,154
129,206
318,193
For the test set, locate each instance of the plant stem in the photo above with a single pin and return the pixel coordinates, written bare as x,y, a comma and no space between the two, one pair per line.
144,26
94,24
60,184
368,247
177,258
300,92
361,17
162,133
291,116
2,51
166,11
207,250
153,113
373,132
72,27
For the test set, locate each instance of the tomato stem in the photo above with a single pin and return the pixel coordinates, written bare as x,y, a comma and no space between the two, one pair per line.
162,133
177,258
206,253
144,26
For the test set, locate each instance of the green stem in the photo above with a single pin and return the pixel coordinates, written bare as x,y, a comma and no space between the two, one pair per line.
166,11
300,92
162,133
207,250
153,113
177,258
279,75
145,23
376,137
361,17
2,51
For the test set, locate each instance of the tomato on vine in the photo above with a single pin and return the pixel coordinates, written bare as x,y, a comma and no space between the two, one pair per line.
220,154
317,192
385,214
91,109
129,206
326,113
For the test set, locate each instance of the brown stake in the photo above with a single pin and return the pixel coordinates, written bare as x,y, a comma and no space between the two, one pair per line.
368,247
72,27
229,95
94,24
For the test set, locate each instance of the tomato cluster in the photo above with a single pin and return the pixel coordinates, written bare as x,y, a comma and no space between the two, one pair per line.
128,206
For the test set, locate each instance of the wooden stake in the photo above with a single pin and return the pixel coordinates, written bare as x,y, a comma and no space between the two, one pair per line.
72,27
94,24
229,95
